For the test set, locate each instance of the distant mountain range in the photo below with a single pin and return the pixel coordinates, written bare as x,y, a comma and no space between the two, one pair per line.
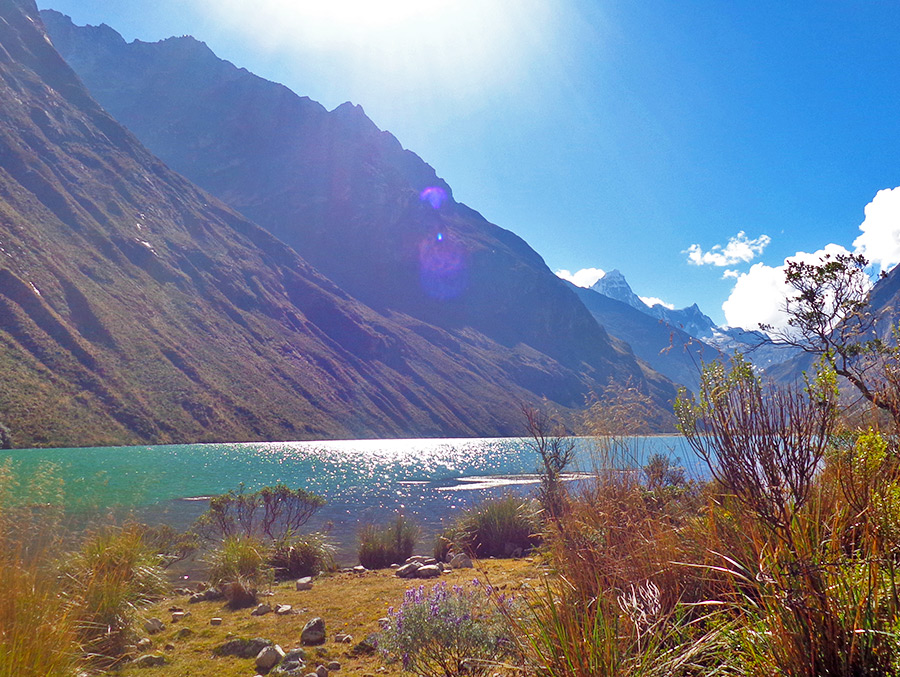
135,307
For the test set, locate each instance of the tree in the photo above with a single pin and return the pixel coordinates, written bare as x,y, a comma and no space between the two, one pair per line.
557,451
5,437
829,316
275,512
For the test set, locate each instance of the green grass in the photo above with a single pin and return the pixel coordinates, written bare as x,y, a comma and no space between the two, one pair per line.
393,543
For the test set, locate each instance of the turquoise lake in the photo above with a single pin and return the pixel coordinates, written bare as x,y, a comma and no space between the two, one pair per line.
362,480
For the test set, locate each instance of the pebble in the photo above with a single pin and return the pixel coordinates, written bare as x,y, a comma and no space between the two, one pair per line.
154,625
215,621
304,583
261,610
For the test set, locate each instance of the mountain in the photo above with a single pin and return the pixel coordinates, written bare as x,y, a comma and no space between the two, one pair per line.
373,217
669,350
137,308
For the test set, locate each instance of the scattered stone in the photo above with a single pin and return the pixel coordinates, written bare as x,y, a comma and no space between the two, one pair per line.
144,644
243,647
384,622
428,571
417,559
269,657
178,616
184,592
295,655
429,561
169,647
283,609
461,561
343,638
321,671
261,610
173,609
208,595
333,666
150,660
215,621
313,632
366,647
154,625
359,569
304,583
395,566
184,632
408,570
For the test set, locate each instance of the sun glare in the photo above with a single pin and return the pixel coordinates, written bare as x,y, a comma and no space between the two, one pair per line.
397,47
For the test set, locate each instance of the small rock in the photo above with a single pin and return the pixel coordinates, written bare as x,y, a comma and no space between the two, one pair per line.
304,583
313,632
343,638
261,610
297,655
269,657
154,625
150,661
360,569
178,616
242,647
333,666
429,560
173,609
283,609
416,559
408,570
321,671
144,644
169,647
395,566
184,632
428,571
461,561
215,621
208,595
367,647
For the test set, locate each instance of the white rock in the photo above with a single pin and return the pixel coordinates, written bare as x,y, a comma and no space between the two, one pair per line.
154,625
261,610
304,583
269,657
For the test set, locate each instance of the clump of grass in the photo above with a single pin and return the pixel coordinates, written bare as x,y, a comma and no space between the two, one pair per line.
381,546
497,527
240,570
295,557
108,580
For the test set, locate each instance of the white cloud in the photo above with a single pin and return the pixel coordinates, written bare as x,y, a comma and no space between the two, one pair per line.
880,239
740,249
653,301
586,277
734,274
759,295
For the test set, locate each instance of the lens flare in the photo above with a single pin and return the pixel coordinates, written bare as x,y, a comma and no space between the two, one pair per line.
433,195
443,271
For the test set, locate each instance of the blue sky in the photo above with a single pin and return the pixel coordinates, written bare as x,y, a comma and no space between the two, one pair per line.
621,134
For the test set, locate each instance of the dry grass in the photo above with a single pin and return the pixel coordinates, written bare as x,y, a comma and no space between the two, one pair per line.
348,602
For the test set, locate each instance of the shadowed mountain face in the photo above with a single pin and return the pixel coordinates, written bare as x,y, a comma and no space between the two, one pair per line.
370,215
668,349
134,307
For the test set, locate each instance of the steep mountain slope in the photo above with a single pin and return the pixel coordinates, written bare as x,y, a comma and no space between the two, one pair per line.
667,349
370,215
134,307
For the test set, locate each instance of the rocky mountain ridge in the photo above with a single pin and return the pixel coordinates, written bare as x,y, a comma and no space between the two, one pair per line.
137,308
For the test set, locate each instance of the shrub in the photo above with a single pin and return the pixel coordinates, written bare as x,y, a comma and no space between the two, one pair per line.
298,557
449,631
379,547
495,527
272,512
239,568
112,575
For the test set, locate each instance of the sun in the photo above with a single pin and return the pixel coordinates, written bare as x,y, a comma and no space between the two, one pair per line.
400,47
